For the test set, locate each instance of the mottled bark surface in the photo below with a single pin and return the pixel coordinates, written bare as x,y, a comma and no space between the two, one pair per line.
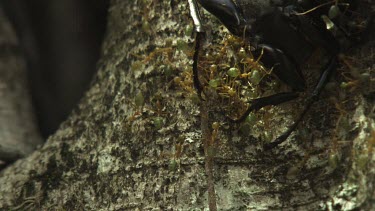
135,142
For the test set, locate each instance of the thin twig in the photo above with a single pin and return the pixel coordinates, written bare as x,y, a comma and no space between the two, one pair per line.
208,152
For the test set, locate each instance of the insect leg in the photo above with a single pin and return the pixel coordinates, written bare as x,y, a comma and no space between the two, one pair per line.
199,37
324,77
259,103
286,70
228,13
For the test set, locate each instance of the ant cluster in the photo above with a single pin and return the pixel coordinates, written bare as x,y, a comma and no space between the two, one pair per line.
231,75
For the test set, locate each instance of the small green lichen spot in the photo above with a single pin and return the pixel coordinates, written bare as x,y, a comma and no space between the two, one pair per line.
189,30
167,69
146,27
172,165
139,100
333,160
362,161
182,46
136,66
158,122
251,119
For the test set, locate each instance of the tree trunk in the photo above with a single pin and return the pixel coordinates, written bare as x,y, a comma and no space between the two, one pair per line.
140,137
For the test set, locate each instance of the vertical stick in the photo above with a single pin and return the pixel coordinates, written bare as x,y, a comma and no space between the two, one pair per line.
209,160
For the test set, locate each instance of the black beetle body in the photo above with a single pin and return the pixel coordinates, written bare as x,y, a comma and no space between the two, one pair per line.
287,32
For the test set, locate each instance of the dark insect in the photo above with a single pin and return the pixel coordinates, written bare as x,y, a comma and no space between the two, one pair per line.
285,33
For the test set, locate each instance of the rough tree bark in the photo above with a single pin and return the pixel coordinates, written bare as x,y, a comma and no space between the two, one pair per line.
135,140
